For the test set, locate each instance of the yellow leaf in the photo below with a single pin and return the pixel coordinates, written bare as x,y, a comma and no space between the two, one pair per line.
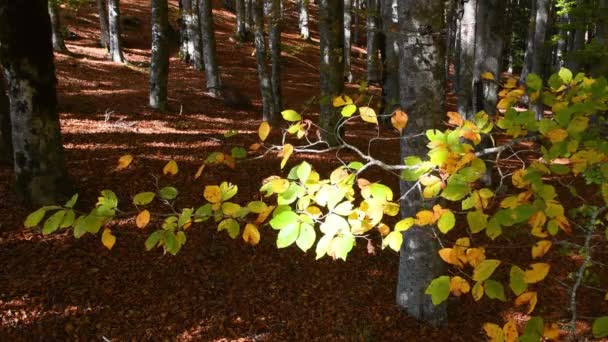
383,229
142,219
606,296
171,168
518,179
399,120
254,147
563,223
556,135
108,239
124,161
220,157
424,217
455,119
314,211
448,255
199,172
264,215
488,76
537,221
529,298
478,291
511,83
459,286
212,194
510,331
287,151
340,101
251,234
537,273
475,256
368,115
494,332
264,130
541,248
551,331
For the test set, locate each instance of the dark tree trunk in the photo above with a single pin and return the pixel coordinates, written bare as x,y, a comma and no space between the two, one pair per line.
356,12
196,40
303,19
602,25
331,32
27,58
104,29
466,59
390,58
422,96
6,144
115,31
529,53
542,14
241,27
58,43
208,38
373,41
560,49
348,4
249,14
274,41
578,41
159,66
260,55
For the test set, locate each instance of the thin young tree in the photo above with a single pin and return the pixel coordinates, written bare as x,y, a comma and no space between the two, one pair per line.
190,35
208,41
466,58
115,31
260,55
390,58
373,40
274,42
58,43
6,144
104,29
348,23
303,19
27,59
241,19
159,65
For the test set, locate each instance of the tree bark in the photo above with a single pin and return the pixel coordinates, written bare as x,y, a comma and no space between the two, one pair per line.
159,66
26,55
104,29
208,39
356,12
331,32
58,43
390,59
260,55
466,59
115,31
373,41
529,53
303,19
542,14
195,31
274,38
348,4
241,28
422,96
6,144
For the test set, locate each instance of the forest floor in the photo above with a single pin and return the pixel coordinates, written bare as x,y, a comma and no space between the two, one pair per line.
217,289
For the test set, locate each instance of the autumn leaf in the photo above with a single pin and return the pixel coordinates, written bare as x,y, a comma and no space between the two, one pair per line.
199,172
399,120
448,255
212,194
541,248
254,147
124,162
108,239
287,151
455,119
529,298
537,273
485,269
340,101
171,168
557,135
264,130
551,331
510,331
475,256
424,217
368,115
494,332
251,234
478,291
459,286
142,219
487,76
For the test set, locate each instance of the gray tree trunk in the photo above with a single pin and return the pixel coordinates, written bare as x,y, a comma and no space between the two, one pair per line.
348,4
303,19
578,41
356,12
241,27
58,43
373,41
390,58
159,66
422,96
560,50
6,145
208,39
331,32
27,59
104,29
529,53
115,31
274,42
195,31
260,55
466,59
538,59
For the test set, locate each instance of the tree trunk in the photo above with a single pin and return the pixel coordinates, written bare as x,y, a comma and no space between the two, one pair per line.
602,25
331,32
303,19
466,59
104,30
249,12
208,39
114,30
348,4
6,144
390,59
560,50
422,96
159,66
578,41
529,53
356,12
542,14
373,41
58,43
241,28
27,59
195,31
260,55
274,42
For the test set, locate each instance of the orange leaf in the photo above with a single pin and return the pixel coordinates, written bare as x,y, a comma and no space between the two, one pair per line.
459,286
399,120
541,248
199,172
510,331
124,161
142,219
455,119
537,273
529,298
171,168
251,234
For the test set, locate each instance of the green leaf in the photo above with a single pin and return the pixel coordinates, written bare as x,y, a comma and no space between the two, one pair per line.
349,110
446,222
355,165
288,235
168,193
303,171
285,219
343,245
565,75
143,198
34,218
70,204
455,191
477,221
439,289
534,82
238,153
228,190
307,237
68,219
600,327
291,115
230,133
53,222
533,331
171,244
108,199
323,245
555,82
516,280
153,239
203,213
184,217
485,269
438,155
180,237
231,226
494,290
381,192
394,240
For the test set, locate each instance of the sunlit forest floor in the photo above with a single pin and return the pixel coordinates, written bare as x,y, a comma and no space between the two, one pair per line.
216,289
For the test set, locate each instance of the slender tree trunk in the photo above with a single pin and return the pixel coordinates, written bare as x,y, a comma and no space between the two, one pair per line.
58,43
542,14
260,55
303,19
390,58
27,59
274,42
560,51
185,30
331,31
115,31
6,144
249,4
529,54
578,41
241,28
208,39
602,25
373,41
356,13
159,66
104,30
422,96
466,59
348,4
195,31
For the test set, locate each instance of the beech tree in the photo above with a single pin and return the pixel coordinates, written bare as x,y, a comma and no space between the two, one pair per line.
242,31
260,56
159,65
6,144
104,29
26,55
303,19
390,57
373,41
348,23
114,31
58,43
212,76
274,41
190,33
